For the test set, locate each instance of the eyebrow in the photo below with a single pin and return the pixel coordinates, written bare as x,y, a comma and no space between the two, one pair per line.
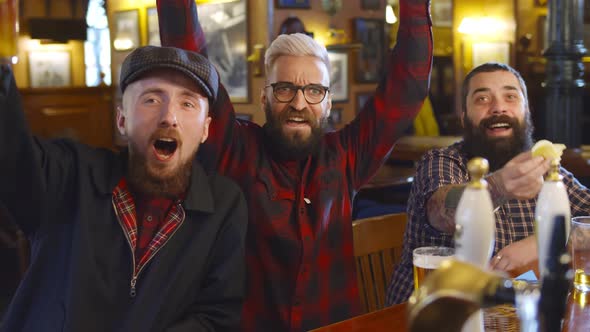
505,87
151,90
185,92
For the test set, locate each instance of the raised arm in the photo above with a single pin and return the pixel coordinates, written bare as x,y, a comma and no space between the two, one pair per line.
21,184
180,27
398,98
35,176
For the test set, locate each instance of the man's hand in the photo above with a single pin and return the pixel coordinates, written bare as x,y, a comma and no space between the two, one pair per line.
520,178
518,257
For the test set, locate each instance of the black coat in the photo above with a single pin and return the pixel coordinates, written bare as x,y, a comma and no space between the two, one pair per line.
60,194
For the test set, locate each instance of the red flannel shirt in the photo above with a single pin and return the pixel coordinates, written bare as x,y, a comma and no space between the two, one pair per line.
150,216
299,250
125,209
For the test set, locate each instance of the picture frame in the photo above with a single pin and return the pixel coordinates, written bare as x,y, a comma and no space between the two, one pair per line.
490,51
126,30
338,75
296,4
335,117
50,69
442,13
225,25
152,27
370,33
370,4
361,99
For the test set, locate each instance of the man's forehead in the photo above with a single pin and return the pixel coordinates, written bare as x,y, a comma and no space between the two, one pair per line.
501,79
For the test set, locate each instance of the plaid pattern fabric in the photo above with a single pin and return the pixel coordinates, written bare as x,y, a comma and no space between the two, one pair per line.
125,209
150,216
299,250
514,219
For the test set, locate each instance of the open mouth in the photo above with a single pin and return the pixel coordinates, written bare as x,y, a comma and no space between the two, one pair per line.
164,148
296,120
499,126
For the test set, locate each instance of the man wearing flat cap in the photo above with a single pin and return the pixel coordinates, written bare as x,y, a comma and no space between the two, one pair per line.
143,240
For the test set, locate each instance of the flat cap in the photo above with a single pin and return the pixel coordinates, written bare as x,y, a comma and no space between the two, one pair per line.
192,64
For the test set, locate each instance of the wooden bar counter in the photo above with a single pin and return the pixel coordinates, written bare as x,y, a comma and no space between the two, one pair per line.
390,319
393,319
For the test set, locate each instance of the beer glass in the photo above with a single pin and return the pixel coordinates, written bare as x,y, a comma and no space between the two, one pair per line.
8,30
579,243
428,259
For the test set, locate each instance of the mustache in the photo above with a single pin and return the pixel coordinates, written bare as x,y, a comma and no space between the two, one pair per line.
305,114
484,123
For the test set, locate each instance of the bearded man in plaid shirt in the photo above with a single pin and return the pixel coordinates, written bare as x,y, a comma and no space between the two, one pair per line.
299,180
497,126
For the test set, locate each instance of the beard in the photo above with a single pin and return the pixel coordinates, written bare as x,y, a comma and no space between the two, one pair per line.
295,146
497,150
152,182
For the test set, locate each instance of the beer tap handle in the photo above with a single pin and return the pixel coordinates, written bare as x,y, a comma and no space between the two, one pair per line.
555,282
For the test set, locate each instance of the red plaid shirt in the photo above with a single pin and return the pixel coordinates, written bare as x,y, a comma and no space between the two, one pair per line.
150,215
301,271
142,253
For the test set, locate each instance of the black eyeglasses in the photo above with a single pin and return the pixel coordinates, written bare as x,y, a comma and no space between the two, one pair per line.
285,92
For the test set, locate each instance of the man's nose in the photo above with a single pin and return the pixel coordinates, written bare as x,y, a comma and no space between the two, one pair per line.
168,117
299,103
499,107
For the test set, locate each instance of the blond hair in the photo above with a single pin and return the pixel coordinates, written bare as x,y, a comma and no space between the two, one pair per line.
296,44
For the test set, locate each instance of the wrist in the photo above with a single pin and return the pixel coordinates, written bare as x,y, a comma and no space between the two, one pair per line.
497,191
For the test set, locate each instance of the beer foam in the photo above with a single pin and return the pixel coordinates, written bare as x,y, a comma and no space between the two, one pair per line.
429,262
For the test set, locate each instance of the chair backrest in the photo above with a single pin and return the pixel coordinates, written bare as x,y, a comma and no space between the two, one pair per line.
377,249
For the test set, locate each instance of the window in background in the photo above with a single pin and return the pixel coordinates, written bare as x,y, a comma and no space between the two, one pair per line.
97,52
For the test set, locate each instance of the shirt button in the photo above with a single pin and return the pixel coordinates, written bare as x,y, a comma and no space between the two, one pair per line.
149,218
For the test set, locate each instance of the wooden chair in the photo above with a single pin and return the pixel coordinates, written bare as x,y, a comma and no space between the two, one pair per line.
377,249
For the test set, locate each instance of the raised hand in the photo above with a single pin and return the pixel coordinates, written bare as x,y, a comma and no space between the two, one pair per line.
520,178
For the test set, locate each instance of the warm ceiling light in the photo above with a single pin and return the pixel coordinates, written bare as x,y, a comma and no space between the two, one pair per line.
484,26
390,15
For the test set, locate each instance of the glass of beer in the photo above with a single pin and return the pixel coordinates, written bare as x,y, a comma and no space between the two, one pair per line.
8,30
579,243
428,259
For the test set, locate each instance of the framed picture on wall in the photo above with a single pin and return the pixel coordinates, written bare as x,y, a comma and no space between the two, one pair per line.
335,119
126,30
50,69
339,75
442,13
370,33
226,30
361,99
293,4
153,29
490,52
371,4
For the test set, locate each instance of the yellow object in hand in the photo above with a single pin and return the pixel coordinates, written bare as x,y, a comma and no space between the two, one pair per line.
547,150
